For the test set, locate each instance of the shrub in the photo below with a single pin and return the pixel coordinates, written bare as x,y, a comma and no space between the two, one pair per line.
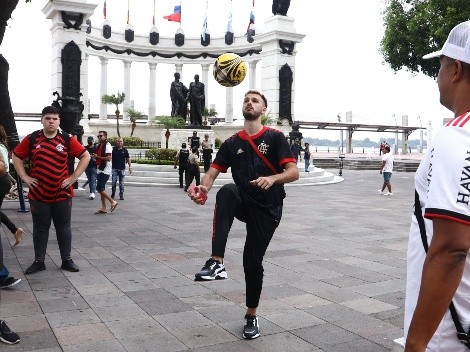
128,141
218,143
161,154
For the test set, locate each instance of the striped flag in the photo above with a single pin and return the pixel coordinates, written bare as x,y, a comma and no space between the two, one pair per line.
229,23
204,25
104,9
251,25
175,16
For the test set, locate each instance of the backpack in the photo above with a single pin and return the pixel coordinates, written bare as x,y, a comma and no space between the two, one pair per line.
33,136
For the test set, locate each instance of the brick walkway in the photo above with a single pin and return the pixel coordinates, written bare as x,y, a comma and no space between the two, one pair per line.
335,275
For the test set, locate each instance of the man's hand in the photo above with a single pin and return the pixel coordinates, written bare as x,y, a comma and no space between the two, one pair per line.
198,194
381,172
30,181
264,183
174,166
68,182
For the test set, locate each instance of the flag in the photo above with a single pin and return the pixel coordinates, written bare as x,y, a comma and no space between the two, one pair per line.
251,25
204,25
175,16
104,9
229,23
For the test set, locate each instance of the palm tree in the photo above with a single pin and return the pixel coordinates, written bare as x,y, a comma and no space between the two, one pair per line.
170,122
133,116
208,113
114,99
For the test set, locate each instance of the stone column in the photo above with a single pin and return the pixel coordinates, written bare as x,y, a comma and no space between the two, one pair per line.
350,132
278,28
86,100
152,90
103,87
127,90
229,105
252,73
404,139
205,80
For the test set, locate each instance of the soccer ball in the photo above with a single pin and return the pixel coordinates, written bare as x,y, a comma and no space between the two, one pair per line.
229,70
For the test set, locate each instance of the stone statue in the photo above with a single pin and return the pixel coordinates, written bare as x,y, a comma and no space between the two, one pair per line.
178,92
196,100
280,7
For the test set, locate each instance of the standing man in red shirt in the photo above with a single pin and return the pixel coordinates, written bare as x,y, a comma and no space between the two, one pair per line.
50,185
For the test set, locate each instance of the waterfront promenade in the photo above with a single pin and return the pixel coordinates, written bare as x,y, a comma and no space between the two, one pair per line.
334,275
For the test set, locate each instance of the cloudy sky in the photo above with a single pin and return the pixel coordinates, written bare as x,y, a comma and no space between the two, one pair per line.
338,64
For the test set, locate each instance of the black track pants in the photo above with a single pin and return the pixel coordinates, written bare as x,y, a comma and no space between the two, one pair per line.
261,223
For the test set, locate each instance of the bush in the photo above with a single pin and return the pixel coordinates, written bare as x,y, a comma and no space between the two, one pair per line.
128,141
218,143
153,162
161,154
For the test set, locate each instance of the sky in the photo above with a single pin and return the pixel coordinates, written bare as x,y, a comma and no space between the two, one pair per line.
338,64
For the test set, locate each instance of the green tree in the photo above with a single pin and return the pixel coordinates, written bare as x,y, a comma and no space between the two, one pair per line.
414,28
134,115
170,122
114,99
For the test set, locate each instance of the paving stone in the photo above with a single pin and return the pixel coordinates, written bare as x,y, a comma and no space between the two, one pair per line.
72,317
82,334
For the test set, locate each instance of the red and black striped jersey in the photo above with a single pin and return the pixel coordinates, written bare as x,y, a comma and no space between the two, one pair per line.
49,165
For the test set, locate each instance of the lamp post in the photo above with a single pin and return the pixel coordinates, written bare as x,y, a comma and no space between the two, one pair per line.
396,135
420,135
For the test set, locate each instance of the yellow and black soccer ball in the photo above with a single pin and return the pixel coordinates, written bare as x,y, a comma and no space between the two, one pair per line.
229,70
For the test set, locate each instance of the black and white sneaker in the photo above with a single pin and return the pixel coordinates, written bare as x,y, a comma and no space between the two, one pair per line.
212,270
6,335
10,282
251,328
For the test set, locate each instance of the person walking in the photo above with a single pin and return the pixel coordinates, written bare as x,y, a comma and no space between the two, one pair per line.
182,160
6,335
438,282
120,157
193,169
386,169
50,185
104,169
261,162
6,280
306,151
90,170
296,149
206,152
5,179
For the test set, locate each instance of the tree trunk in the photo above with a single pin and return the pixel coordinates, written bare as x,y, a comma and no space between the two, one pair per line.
7,119
117,123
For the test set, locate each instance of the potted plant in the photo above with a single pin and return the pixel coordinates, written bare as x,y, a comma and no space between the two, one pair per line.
208,113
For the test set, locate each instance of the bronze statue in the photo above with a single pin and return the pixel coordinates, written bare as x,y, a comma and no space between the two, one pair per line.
197,100
280,7
178,92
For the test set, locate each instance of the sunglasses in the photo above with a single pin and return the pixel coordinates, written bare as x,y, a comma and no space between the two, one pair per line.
100,135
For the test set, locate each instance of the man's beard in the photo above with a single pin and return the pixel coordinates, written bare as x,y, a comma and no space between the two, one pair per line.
250,115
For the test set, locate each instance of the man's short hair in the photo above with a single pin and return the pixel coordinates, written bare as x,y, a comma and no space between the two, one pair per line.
257,92
50,110
387,148
103,132
183,145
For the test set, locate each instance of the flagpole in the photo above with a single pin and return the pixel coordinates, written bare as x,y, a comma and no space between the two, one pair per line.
181,13
128,11
153,20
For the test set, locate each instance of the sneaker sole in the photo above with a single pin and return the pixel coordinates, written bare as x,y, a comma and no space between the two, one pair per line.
250,337
9,342
12,284
220,276
35,271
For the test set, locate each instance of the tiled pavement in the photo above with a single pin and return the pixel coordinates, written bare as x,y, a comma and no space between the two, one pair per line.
334,275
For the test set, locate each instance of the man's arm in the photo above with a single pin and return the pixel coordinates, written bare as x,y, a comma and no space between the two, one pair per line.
290,174
442,272
128,160
382,167
81,166
20,170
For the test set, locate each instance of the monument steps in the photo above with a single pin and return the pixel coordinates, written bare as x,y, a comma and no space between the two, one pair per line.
166,176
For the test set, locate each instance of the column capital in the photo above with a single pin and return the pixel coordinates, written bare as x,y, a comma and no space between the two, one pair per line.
205,67
152,65
103,60
127,63
252,64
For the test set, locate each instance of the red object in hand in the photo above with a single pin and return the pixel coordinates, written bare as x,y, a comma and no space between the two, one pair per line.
201,195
